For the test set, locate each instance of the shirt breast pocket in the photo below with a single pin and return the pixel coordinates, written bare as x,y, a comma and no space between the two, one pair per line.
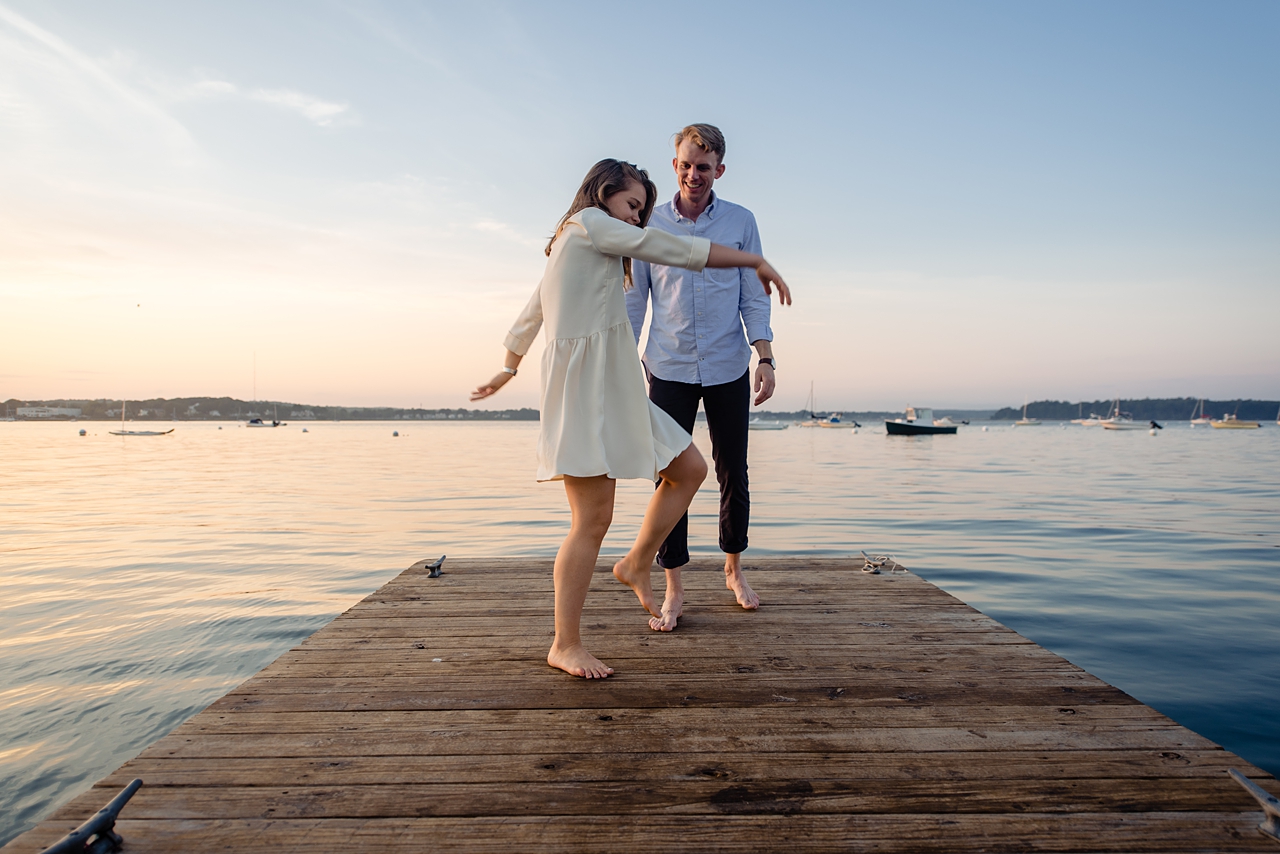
722,278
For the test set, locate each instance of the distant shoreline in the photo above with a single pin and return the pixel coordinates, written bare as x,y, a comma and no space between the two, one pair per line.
228,409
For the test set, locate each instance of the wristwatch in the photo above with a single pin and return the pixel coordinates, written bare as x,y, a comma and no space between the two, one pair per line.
768,361
507,370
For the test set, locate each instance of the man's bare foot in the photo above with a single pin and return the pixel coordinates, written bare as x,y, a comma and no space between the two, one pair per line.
742,591
672,609
639,580
576,661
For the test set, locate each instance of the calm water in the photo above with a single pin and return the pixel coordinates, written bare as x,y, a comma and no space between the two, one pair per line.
142,578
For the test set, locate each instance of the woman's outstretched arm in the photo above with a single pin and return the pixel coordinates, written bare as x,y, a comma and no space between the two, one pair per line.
727,256
500,379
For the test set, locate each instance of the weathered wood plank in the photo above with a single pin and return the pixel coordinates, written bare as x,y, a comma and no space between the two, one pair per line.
940,832
729,720
690,797
739,767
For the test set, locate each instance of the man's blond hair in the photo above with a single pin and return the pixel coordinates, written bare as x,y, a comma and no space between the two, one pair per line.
706,137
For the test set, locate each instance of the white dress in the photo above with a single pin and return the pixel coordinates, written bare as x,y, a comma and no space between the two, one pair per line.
596,417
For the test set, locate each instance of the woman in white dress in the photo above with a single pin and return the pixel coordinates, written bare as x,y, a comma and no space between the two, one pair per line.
597,423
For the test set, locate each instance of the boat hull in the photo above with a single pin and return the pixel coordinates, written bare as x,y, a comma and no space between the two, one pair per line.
902,428
1235,425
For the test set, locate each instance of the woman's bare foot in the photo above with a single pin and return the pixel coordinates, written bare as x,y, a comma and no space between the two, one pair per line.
639,580
733,579
672,610
576,661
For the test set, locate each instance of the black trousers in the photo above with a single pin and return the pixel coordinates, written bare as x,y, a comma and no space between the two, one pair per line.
727,406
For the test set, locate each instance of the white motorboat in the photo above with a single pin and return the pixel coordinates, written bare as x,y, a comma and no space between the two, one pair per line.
757,424
1092,421
917,421
1231,422
1119,420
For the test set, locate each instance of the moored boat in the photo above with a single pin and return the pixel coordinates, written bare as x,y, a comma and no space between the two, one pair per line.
1231,422
917,421
1024,421
124,405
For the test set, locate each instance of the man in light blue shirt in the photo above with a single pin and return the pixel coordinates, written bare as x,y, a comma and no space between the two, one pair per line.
697,350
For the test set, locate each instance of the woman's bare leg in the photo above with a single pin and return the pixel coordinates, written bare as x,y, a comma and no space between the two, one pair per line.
591,503
680,482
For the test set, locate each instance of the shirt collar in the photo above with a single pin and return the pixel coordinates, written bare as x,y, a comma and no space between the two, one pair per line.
710,212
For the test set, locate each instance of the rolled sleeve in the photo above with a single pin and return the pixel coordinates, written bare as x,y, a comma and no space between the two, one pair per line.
753,302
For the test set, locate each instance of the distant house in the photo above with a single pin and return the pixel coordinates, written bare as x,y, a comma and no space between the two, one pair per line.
215,414
43,412
191,410
303,413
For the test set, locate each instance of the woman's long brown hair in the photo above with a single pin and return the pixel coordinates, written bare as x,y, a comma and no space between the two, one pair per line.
607,177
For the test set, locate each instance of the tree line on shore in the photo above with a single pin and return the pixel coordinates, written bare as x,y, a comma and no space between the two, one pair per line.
1153,409
233,409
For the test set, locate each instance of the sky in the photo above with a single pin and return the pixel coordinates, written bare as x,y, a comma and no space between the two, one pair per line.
345,203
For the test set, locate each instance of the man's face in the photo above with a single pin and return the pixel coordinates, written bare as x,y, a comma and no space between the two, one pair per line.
696,171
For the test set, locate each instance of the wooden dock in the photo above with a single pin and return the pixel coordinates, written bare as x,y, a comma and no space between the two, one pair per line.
852,712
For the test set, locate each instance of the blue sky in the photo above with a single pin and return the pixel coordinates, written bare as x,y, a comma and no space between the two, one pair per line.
974,202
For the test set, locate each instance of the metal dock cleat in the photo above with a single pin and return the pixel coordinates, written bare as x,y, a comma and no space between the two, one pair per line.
436,571
97,835
1270,804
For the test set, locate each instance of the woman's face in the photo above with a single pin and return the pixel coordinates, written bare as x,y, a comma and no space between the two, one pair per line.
627,203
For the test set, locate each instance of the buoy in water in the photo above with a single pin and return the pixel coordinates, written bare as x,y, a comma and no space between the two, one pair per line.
305,430
82,432
395,432
984,429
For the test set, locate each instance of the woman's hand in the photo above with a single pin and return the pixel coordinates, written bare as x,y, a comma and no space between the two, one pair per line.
491,387
769,276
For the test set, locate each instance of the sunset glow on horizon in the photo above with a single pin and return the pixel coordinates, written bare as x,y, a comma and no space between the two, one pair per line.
347,203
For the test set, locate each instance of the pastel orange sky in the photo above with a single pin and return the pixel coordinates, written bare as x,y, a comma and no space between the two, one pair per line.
973,203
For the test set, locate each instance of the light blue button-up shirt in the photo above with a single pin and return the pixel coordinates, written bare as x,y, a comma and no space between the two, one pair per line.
698,318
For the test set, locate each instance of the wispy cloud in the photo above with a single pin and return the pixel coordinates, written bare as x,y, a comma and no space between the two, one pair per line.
317,110
30,48
323,113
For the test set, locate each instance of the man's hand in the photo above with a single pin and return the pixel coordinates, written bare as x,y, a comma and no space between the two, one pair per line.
764,383
769,276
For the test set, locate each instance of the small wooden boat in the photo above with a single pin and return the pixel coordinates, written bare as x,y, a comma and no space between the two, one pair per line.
917,421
